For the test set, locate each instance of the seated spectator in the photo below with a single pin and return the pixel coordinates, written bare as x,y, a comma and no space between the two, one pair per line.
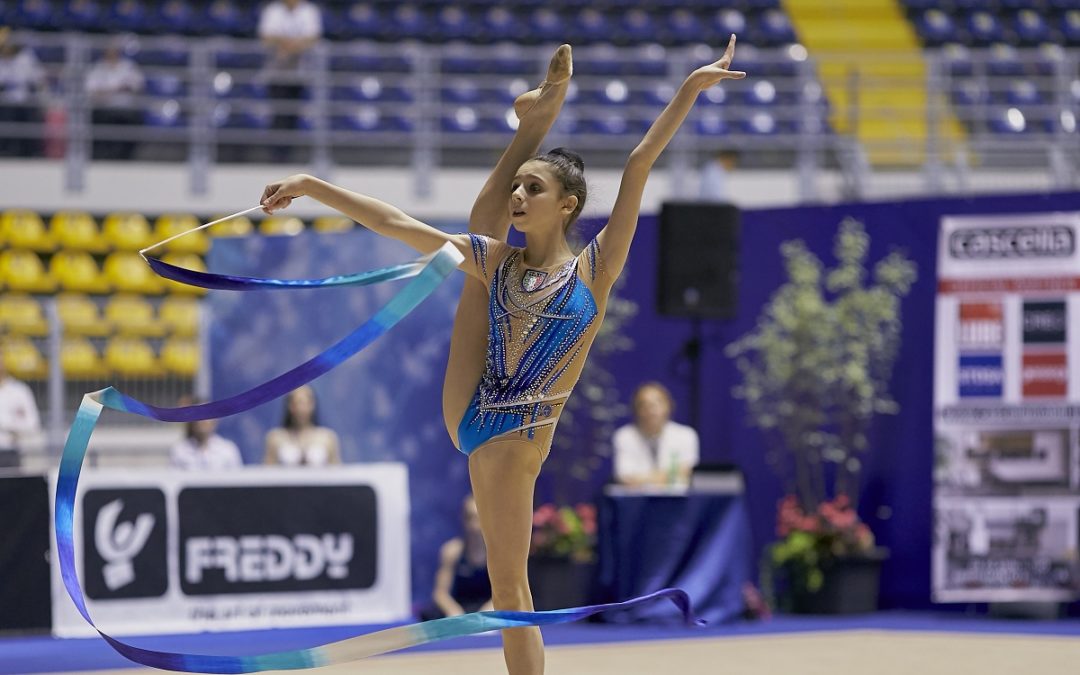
461,584
22,92
203,449
653,450
716,176
112,85
18,417
300,440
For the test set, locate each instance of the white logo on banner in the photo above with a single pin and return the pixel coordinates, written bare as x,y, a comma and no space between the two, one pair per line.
119,543
269,558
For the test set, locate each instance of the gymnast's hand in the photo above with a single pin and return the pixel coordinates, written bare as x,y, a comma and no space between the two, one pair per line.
279,195
706,76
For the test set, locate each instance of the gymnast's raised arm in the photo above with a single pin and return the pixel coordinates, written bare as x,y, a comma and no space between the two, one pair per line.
614,240
375,215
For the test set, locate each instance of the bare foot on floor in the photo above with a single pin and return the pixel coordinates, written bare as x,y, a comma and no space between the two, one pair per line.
560,69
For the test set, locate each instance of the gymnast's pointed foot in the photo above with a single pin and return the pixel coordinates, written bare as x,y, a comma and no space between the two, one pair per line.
560,69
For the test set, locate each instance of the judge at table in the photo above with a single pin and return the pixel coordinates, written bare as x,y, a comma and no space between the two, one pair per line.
654,451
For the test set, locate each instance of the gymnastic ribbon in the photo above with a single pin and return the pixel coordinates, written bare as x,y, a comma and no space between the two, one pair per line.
426,273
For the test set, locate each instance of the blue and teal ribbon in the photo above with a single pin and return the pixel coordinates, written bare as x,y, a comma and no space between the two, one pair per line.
427,273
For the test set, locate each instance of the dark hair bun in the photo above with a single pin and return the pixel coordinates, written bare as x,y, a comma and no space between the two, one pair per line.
570,155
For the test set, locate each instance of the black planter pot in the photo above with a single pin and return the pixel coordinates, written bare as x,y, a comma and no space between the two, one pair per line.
558,583
850,586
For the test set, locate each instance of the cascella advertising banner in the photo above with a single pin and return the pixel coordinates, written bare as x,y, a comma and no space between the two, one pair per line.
1007,409
174,552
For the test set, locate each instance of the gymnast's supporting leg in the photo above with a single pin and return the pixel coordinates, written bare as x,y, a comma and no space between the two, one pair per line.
503,475
491,216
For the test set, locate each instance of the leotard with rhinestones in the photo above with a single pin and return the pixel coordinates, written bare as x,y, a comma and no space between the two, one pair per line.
541,326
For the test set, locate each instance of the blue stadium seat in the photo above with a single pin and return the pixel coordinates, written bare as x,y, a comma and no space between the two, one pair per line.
162,53
957,59
984,28
166,114
128,16
165,86
968,6
683,26
462,58
83,16
545,25
969,93
461,92
760,123
172,16
461,120
1070,27
1030,27
761,93
225,17
725,22
1063,5
936,27
1021,93
362,57
774,28
508,90
611,123
406,22
601,59
499,23
1012,121
711,124
612,92
650,60
636,25
368,89
364,118
1004,61
921,5
453,22
509,60
34,14
1050,58
361,20
590,26
656,95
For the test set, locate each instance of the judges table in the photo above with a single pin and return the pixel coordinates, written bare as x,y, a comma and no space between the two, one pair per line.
698,541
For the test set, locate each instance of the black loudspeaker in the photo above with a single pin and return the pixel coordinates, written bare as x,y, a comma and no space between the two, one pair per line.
699,260
25,597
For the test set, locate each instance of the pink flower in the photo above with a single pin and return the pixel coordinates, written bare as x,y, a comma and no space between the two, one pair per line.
543,515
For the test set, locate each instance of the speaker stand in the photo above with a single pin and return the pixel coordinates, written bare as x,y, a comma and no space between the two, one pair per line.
692,352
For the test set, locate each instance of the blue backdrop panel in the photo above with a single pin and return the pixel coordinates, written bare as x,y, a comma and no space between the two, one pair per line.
385,402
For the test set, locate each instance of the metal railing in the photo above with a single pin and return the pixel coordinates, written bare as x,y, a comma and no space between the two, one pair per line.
210,101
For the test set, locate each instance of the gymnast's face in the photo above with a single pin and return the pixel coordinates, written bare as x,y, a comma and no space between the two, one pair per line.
537,200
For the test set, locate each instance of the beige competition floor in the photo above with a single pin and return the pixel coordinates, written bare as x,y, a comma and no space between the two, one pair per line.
860,652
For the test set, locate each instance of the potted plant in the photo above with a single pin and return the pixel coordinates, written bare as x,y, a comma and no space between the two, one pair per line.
562,554
815,372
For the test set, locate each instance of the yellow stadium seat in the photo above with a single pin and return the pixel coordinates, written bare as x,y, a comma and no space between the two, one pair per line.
132,357
78,272
127,231
188,261
180,314
129,273
281,226
181,357
133,315
77,230
25,229
23,360
172,224
79,359
23,271
333,224
79,315
22,315
234,227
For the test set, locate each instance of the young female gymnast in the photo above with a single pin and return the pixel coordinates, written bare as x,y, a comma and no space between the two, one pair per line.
527,317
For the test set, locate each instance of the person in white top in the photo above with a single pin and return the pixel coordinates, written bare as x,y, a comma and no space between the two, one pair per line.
23,87
300,440
289,28
653,450
204,450
716,177
18,417
112,85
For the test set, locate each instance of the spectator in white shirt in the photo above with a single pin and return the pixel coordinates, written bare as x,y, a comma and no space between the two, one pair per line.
113,84
18,417
203,449
22,88
289,28
716,177
653,450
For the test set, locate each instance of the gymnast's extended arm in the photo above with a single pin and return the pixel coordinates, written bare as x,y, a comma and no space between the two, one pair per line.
614,240
375,215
